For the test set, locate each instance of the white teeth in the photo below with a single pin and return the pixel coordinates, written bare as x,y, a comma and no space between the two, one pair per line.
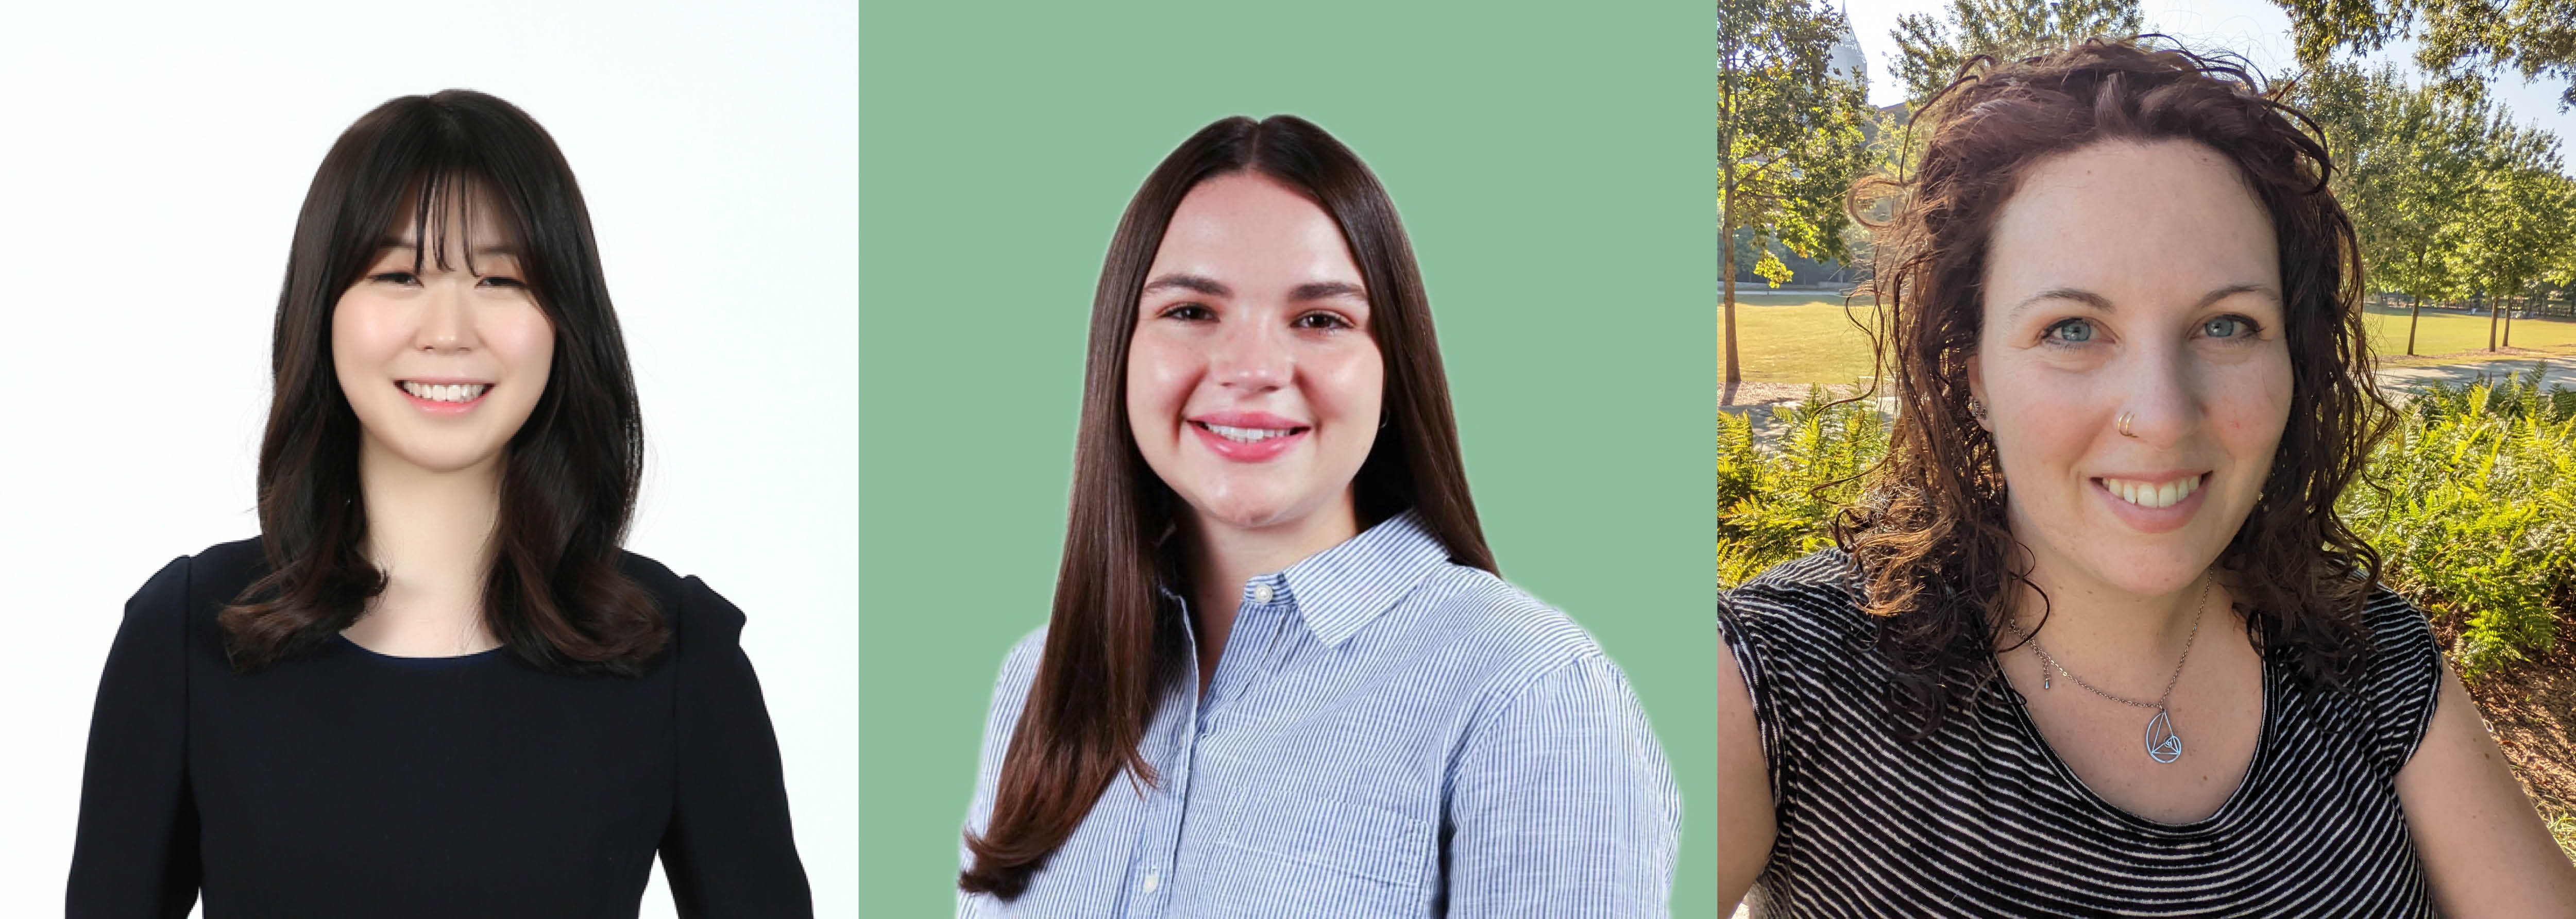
1247,435
450,392
2148,495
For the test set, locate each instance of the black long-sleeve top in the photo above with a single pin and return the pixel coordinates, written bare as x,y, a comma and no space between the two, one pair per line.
342,782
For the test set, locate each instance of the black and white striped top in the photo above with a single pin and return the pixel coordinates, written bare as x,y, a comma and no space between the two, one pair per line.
1982,819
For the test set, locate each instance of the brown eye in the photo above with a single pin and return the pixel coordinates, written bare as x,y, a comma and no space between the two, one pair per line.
1188,312
404,278
1321,321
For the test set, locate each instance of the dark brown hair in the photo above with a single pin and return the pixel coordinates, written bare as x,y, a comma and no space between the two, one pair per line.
1113,639
569,475
1929,534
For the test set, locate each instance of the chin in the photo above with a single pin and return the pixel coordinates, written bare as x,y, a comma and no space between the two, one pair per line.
445,460
2150,570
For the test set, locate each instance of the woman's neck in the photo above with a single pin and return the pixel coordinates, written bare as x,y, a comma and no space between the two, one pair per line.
1222,557
2124,637
431,534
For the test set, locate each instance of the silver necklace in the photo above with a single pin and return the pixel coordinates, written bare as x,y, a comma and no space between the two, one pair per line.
2164,745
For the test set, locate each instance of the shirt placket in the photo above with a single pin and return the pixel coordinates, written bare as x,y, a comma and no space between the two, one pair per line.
1179,731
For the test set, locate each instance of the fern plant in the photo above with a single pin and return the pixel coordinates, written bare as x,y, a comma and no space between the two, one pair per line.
1775,503
2478,516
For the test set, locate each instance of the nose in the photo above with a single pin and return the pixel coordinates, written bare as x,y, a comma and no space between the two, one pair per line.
447,319
2164,393
1250,358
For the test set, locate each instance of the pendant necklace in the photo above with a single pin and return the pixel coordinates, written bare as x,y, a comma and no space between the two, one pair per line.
2163,744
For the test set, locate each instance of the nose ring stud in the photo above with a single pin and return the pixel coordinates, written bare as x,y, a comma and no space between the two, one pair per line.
2124,424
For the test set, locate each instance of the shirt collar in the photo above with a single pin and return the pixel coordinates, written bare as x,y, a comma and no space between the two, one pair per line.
1342,589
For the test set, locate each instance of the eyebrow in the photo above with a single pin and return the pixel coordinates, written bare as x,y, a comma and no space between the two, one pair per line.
1323,290
1312,290
1208,286
2102,303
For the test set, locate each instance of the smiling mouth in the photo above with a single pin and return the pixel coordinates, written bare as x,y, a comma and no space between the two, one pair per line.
1246,435
445,392
2153,496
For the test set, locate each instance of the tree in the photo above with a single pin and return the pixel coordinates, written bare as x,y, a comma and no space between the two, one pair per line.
2518,218
2405,158
2460,40
1788,138
1930,50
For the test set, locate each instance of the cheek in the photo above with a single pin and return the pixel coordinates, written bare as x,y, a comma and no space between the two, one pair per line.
524,341
363,335
1159,376
2254,405
1348,384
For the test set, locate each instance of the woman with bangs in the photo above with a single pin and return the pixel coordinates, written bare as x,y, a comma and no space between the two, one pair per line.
2095,641
435,685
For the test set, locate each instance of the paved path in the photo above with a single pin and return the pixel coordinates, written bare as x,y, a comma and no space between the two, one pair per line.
2561,372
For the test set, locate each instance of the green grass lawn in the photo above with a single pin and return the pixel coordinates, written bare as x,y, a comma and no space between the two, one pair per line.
1801,338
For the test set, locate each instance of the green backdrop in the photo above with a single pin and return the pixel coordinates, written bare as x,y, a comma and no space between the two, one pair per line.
1554,167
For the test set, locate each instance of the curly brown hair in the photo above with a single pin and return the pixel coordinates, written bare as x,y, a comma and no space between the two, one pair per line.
1929,535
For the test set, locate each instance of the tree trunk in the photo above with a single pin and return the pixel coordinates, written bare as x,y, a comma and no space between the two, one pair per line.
2494,311
1726,270
2508,329
2414,311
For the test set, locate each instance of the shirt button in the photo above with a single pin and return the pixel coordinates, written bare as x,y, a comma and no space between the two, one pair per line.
1153,879
1261,593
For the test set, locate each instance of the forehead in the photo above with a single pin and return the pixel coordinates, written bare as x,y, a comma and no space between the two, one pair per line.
1248,227
2133,222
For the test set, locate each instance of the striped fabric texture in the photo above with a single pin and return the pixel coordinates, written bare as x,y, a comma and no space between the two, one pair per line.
1982,819
1387,734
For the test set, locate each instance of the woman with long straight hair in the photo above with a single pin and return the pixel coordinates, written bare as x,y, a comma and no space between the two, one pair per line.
435,685
1281,677
2097,640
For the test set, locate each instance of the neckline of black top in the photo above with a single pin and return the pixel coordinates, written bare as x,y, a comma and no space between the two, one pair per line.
423,663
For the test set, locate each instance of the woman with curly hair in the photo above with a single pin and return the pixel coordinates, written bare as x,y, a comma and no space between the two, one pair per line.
2095,642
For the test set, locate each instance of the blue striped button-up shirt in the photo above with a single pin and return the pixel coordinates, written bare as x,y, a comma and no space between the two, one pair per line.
1387,734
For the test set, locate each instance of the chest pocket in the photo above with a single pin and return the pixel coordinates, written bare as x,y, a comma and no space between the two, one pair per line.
1302,852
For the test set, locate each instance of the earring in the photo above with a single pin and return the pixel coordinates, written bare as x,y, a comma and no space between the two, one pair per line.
1976,409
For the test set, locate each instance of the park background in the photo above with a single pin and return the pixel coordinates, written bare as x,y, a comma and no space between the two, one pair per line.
1552,168
2446,130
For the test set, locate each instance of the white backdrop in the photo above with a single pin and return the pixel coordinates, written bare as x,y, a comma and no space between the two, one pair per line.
151,164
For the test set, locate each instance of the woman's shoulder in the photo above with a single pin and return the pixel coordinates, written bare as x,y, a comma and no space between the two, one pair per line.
696,614
1805,600
2394,624
1498,620
2405,662
200,585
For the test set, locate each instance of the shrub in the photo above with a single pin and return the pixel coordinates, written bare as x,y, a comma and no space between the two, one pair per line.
1774,503
2478,516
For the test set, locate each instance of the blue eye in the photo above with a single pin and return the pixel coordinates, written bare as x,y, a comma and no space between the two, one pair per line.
2228,327
2071,331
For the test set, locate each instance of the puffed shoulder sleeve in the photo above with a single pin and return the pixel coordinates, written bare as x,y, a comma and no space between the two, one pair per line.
136,849
729,850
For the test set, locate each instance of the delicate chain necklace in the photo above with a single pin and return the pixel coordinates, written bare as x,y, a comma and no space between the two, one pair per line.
2164,745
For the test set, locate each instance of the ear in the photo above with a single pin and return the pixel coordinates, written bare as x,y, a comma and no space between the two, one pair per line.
1977,388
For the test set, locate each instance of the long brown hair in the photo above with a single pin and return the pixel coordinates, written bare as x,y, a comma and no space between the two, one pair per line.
1113,639
569,475
1929,535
